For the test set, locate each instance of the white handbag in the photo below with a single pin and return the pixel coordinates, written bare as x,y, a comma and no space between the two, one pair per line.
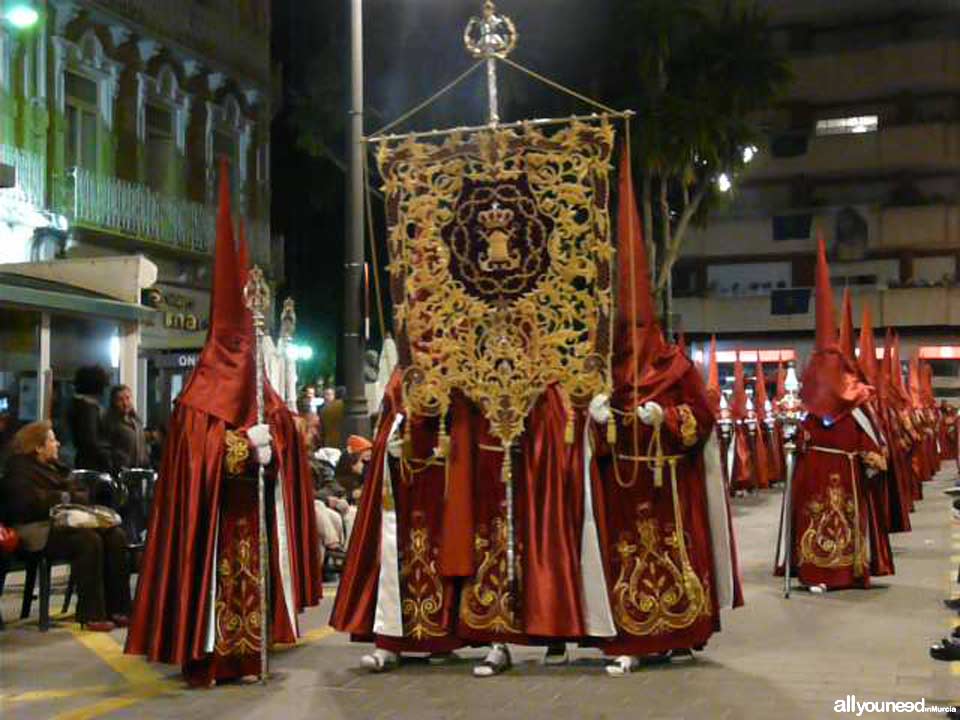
84,516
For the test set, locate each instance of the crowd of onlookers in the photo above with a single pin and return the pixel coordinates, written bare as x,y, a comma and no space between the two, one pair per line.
337,467
34,480
109,440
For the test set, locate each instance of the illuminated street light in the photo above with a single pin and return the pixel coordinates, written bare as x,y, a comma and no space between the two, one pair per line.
21,15
723,183
299,352
749,152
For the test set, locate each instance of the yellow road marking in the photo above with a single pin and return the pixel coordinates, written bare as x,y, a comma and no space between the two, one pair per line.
40,695
133,668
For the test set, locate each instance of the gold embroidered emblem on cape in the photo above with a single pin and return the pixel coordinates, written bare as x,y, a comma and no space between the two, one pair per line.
423,588
657,590
488,602
829,540
238,600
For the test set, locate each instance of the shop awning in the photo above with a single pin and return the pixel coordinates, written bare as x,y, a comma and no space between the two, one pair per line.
46,296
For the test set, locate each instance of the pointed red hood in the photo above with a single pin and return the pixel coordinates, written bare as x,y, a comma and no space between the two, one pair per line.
224,381
890,373
760,390
781,380
916,390
713,379
897,369
868,350
823,298
926,384
831,385
846,328
644,365
738,402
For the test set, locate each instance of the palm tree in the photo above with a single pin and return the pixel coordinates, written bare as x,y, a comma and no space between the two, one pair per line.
701,74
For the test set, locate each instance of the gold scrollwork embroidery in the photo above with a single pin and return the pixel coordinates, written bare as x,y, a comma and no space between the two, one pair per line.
829,539
238,600
654,592
424,590
488,602
688,425
238,451
501,265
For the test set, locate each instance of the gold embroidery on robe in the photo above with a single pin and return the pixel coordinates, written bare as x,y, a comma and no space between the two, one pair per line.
238,598
688,425
657,590
829,540
424,590
488,602
238,451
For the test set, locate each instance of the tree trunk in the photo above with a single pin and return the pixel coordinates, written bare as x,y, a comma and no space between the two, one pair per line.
649,237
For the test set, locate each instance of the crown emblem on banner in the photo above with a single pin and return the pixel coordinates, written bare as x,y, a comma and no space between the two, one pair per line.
497,231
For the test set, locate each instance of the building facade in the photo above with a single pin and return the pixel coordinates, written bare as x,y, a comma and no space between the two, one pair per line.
866,149
114,115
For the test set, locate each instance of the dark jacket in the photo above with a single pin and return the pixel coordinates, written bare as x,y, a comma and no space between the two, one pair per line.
124,435
29,488
86,426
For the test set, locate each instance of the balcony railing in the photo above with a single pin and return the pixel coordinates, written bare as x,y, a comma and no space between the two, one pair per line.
222,31
30,187
115,206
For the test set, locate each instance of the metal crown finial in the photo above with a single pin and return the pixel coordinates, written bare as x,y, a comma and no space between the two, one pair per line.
490,35
256,295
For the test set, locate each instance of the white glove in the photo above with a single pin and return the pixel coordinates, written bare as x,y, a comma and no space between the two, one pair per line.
600,409
259,434
260,437
650,413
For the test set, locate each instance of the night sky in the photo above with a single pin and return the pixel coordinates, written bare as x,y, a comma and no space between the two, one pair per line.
412,48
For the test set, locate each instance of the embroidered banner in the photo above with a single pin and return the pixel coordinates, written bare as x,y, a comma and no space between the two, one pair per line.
500,265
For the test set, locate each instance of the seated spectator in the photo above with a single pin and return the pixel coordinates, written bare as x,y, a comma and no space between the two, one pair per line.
337,510
86,420
33,482
123,431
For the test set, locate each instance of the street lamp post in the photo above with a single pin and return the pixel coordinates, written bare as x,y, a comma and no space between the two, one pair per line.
356,418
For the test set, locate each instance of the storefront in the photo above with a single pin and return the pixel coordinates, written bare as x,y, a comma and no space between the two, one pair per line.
170,345
51,328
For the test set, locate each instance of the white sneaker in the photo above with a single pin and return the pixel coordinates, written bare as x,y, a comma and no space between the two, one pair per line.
497,661
818,589
623,665
380,660
556,655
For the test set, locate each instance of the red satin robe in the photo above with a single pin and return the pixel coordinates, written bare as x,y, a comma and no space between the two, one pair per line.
745,474
948,437
452,525
660,576
202,512
834,519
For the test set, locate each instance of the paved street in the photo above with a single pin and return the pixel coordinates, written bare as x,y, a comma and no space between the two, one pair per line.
776,658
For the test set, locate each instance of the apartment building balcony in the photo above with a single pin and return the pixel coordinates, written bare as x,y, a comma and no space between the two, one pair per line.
917,307
29,189
235,33
865,74
133,212
926,147
927,227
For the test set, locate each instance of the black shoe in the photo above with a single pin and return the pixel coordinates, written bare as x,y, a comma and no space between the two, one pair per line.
956,633
945,650
953,603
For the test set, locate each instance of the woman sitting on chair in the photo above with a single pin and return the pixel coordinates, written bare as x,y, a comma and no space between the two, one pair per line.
33,482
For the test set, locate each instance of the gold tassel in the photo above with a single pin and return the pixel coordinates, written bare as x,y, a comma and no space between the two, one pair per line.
407,440
612,430
443,439
568,430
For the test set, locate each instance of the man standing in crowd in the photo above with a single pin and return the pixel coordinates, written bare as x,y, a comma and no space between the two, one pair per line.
123,431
